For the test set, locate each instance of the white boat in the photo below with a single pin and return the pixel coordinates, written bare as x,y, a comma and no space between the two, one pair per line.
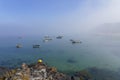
47,38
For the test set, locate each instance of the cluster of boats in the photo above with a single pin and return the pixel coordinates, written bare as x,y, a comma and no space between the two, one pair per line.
46,39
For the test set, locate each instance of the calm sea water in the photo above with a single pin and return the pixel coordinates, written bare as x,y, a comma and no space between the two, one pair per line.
94,51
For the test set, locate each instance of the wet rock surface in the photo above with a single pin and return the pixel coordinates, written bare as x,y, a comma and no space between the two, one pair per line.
38,71
41,71
2,70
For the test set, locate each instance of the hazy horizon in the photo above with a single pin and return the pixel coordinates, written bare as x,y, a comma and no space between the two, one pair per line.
28,17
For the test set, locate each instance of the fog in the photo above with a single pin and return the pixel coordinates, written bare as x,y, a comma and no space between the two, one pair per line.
83,19
107,12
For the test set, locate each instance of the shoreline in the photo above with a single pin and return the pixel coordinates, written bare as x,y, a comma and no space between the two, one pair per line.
41,71
37,71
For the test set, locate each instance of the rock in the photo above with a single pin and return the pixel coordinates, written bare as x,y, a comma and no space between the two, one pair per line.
39,71
3,70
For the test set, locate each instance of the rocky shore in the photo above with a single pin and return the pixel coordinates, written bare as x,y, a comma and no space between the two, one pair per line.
40,71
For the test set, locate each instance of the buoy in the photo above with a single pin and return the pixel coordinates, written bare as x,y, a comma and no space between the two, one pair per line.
40,61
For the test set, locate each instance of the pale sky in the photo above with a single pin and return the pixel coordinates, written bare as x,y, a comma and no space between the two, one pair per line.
34,17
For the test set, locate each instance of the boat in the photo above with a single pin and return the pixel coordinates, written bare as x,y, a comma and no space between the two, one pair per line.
19,46
46,39
75,41
36,46
59,37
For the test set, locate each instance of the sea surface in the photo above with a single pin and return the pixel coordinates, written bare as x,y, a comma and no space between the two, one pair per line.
94,51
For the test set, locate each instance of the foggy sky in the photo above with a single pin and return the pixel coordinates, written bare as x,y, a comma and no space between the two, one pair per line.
34,17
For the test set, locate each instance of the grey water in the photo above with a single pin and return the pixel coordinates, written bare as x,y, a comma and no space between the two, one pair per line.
94,51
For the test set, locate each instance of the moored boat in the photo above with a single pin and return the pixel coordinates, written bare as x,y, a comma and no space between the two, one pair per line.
46,39
75,41
36,46
19,46
59,37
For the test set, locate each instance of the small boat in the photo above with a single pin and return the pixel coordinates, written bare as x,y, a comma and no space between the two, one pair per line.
19,46
59,37
36,46
75,41
46,39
